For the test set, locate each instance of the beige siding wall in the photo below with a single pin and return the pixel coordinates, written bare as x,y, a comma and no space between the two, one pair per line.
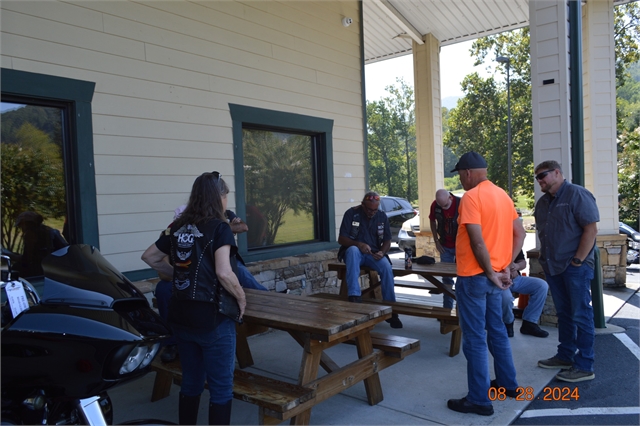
165,73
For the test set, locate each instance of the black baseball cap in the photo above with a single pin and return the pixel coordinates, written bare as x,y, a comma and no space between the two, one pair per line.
470,160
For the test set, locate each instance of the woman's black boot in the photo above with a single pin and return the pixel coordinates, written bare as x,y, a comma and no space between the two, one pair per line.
220,414
188,409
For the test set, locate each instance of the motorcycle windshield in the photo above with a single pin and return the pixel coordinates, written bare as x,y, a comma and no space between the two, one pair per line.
78,274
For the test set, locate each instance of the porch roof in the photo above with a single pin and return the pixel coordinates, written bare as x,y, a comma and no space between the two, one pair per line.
390,26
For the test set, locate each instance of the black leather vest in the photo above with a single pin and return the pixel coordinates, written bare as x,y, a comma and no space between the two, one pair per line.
441,220
194,267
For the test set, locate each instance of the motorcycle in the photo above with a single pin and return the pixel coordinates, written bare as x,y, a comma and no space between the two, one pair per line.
91,330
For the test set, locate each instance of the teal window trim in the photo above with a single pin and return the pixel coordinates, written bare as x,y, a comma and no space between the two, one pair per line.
285,121
78,94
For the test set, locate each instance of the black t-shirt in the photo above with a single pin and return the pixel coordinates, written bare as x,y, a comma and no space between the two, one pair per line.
192,313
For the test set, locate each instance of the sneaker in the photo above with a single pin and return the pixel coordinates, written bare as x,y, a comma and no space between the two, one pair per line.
464,406
509,329
355,299
532,329
554,363
169,354
574,375
394,321
511,393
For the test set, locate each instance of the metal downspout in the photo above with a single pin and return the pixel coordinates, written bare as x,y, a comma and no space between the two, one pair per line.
575,78
364,99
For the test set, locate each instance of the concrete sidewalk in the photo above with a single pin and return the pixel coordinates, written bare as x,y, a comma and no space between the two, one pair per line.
415,390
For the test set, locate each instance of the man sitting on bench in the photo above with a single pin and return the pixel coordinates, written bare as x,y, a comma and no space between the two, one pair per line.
365,239
536,288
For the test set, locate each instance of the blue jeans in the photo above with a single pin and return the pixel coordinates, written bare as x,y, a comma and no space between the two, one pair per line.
536,288
480,311
247,280
576,331
449,256
208,354
354,259
163,295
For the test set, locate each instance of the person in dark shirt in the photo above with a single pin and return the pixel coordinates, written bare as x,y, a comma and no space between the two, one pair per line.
202,250
536,288
38,240
365,239
566,221
443,220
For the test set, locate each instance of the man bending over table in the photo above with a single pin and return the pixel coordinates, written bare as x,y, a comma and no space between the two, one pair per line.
365,239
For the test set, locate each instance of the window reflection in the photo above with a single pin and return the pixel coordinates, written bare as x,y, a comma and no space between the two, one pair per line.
34,208
279,185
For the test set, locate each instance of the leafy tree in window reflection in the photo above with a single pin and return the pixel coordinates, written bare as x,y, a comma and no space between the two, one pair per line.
32,179
278,179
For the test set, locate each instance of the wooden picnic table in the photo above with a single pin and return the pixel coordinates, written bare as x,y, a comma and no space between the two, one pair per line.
429,272
317,325
449,322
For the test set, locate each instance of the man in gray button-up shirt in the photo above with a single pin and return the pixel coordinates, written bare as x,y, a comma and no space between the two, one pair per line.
566,217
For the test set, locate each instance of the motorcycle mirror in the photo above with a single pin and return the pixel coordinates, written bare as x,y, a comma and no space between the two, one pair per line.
5,265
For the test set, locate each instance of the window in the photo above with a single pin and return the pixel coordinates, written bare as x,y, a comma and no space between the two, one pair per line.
34,207
388,204
284,182
48,189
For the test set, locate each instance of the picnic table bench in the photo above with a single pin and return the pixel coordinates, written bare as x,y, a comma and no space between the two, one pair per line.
277,401
449,322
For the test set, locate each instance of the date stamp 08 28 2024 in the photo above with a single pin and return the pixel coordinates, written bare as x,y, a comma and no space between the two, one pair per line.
549,393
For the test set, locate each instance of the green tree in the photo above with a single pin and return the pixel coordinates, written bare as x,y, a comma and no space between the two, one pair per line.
46,119
392,143
449,157
487,134
32,180
479,121
627,41
384,150
626,38
629,178
628,100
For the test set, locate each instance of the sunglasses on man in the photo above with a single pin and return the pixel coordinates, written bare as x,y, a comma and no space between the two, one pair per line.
544,174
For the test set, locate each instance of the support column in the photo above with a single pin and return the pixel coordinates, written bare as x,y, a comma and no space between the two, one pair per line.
600,145
550,95
426,70
599,76
549,27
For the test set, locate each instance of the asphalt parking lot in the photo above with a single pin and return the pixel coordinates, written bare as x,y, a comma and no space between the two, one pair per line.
613,397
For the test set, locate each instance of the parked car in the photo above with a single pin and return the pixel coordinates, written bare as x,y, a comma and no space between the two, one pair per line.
632,235
407,236
633,243
398,210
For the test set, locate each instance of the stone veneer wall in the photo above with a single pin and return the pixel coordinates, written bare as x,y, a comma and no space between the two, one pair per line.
613,257
613,261
302,274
